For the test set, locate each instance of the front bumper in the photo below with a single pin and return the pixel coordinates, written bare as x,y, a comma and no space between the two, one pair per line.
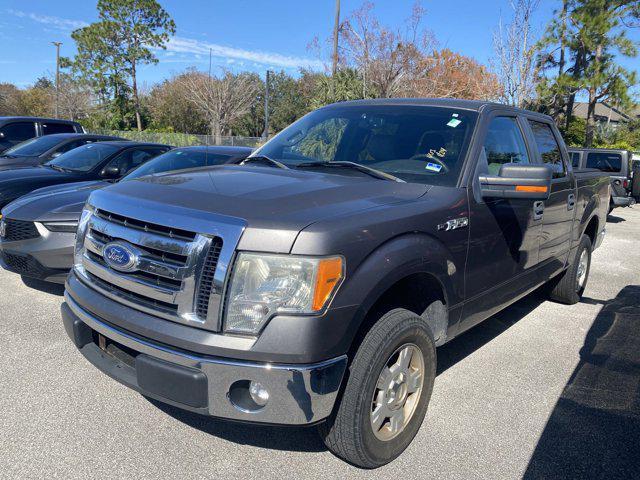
48,257
298,394
622,201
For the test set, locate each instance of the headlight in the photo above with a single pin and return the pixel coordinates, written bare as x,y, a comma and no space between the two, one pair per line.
64,227
81,233
264,285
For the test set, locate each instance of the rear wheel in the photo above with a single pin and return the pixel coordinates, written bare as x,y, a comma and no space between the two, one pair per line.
569,287
387,392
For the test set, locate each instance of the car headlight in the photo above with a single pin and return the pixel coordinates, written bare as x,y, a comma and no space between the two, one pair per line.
83,224
262,286
63,227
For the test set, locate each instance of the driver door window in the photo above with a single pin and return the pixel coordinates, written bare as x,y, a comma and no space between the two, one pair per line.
504,143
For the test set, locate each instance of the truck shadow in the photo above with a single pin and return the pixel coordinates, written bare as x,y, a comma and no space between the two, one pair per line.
594,429
464,345
613,219
306,439
42,286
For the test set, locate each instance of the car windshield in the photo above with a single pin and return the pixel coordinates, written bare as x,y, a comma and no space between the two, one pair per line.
84,158
422,144
177,159
33,147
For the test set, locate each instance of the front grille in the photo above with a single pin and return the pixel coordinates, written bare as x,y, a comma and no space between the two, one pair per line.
23,265
19,230
174,274
206,279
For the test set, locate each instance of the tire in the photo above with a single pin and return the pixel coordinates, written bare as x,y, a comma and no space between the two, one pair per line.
567,288
349,431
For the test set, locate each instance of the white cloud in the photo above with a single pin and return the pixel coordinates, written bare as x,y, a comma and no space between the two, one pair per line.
197,48
55,22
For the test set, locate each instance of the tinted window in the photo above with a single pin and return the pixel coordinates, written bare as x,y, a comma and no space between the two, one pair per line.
414,143
132,158
606,162
84,158
71,145
548,147
575,159
177,160
19,131
34,147
50,128
504,143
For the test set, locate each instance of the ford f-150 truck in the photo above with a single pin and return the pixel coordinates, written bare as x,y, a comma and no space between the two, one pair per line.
312,283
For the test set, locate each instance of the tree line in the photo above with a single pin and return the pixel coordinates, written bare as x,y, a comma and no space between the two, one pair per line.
575,57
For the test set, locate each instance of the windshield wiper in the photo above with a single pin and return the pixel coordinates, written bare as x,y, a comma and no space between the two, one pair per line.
355,166
264,158
57,168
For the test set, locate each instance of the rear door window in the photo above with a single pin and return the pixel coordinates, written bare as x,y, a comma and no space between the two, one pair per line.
605,162
50,128
19,131
548,147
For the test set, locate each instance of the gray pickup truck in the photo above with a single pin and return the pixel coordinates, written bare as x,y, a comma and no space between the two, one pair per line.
616,163
312,283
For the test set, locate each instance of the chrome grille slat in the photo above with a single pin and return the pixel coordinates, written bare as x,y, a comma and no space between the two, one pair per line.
133,284
139,237
145,226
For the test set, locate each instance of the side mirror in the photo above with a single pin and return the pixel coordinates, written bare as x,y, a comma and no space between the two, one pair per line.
110,171
515,180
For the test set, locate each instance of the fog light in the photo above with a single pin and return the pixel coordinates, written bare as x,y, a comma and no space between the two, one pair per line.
258,393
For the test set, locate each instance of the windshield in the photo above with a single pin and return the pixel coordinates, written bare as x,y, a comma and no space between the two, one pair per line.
33,147
177,160
414,143
84,158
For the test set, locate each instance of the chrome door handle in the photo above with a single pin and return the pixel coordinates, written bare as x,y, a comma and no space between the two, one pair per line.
571,202
538,210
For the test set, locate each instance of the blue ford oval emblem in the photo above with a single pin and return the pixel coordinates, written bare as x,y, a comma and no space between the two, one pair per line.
120,257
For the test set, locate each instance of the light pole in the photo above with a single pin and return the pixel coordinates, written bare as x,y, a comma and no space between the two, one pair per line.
265,134
57,44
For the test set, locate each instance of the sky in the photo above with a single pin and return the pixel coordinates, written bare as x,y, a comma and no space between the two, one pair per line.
244,34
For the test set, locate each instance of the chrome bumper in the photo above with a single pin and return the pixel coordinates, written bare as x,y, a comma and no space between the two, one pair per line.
298,394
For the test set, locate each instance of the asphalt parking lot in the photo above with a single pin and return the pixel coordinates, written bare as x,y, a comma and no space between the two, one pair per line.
540,391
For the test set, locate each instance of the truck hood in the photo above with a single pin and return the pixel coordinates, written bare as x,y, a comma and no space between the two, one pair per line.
273,204
55,203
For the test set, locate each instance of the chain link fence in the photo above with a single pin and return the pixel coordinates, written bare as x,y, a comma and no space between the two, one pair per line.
181,139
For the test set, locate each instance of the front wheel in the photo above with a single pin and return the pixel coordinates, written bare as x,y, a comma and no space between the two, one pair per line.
569,287
386,396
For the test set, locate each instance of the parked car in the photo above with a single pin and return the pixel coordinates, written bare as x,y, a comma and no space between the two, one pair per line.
616,163
101,160
39,150
14,130
40,227
313,282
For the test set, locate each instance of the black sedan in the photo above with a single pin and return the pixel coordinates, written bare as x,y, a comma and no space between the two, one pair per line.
39,150
95,161
39,228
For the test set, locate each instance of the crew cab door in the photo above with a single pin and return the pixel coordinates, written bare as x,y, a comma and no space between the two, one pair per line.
504,233
560,207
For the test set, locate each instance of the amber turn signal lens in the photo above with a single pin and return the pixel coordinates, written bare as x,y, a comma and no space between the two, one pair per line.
530,188
327,279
